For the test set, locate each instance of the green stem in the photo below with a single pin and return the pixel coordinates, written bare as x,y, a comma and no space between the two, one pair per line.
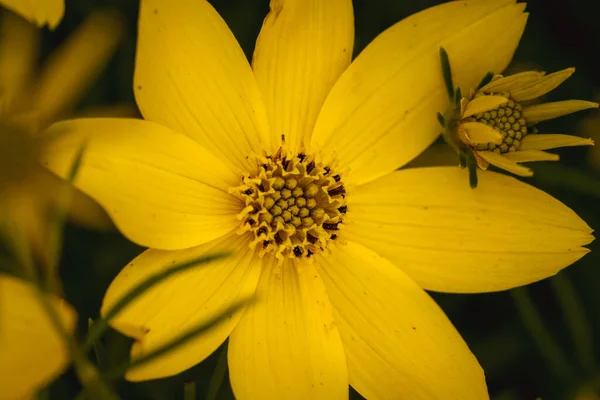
189,390
216,381
574,315
548,347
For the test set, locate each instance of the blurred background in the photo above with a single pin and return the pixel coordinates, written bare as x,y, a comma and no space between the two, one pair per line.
539,341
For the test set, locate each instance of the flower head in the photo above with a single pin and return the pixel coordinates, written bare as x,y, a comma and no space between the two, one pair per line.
496,125
29,102
32,352
291,163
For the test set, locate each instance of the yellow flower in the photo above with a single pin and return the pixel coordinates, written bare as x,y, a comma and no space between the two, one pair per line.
39,12
29,102
291,163
26,334
496,125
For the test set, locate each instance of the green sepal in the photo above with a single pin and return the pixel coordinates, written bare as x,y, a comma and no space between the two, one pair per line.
446,72
457,97
486,79
441,119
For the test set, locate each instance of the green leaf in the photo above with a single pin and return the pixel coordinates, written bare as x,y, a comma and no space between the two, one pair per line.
486,79
447,73
189,390
549,348
574,314
216,381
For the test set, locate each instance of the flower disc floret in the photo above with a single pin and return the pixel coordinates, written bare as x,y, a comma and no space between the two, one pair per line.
506,118
293,205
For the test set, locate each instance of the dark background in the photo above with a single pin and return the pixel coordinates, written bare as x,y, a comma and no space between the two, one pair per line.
560,34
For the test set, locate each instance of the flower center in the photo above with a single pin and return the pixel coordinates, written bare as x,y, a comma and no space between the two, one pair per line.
294,205
508,119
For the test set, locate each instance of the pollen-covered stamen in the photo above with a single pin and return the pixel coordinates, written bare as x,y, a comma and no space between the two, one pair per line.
293,205
508,119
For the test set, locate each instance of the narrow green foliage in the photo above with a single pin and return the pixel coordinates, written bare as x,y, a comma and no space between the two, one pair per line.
549,348
441,119
189,390
486,79
101,325
574,314
97,347
76,165
457,97
447,72
178,341
218,376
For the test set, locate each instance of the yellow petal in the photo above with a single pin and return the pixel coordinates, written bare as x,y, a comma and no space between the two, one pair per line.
76,64
478,133
32,353
40,12
553,141
512,82
398,342
482,104
545,111
530,155
301,51
161,188
504,163
287,345
182,302
19,43
451,238
541,86
203,85
378,115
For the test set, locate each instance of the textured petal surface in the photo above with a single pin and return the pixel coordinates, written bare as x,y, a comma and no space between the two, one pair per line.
531,155
541,86
381,112
40,12
31,351
478,133
545,111
505,163
303,47
203,85
160,187
287,345
398,342
450,238
182,302
483,104
552,141
512,82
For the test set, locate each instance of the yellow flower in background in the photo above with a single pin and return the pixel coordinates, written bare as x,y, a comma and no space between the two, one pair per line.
32,353
496,123
291,163
590,126
29,102
39,12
